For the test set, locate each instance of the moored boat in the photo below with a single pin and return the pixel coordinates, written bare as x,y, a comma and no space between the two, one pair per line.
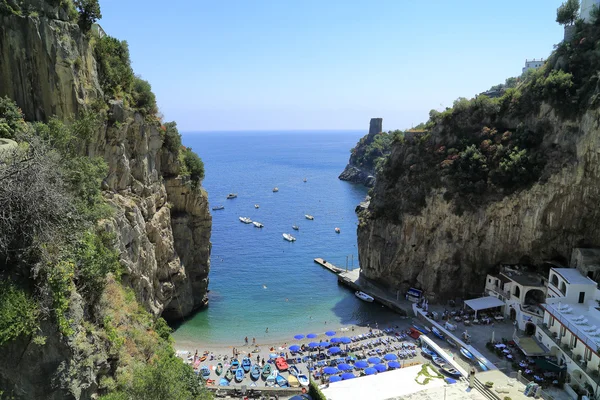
281,381
451,342
467,354
256,206
304,179
294,370
245,220
364,297
257,224
223,382
289,237
437,332
293,381
204,371
229,375
219,369
231,196
303,380
255,372
218,208
337,230
234,364
272,378
266,371
310,217
422,329
439,361
450,371
275,189
246,364
239,374
427,352
295,227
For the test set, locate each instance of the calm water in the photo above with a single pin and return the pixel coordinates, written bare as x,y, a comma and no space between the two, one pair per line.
257,279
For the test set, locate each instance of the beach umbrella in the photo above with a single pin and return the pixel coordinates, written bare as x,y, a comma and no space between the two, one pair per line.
334,378
380,367
298,337
388,357
344,367
273,356
313,344
394,364
324,344
374,360
294,347
361,364
336,340
311,336
334,350
370,371
348,375
330,333
345,340
330,370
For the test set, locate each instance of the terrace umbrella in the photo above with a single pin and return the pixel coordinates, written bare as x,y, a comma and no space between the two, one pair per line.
313,344
345,340
394,364
334,378
330,370
294,348
298,337
388,357
380,367
336,340
374,360
348,375
311,336
344,367
361,364
330,333
370,371
324,344
334,350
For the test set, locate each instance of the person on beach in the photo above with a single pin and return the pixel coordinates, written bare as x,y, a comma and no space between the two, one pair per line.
267,330
254,341
246,340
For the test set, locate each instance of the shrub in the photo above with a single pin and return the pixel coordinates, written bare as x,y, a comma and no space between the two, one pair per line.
114,67
315,392
11,119
172,137
89,12
194,165
18,313
143,99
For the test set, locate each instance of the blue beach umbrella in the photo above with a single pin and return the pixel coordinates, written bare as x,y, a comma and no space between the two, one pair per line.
330,370
348,375
370,371
334,350
273,356
394,364
336,340
330,333
324,344
345,340
361,364
374,360
311,336
334,378
313,344
298,337
380,367
389,357
294,347
344,367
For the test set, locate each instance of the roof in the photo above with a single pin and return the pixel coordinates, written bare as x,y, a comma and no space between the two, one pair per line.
573,276
483,303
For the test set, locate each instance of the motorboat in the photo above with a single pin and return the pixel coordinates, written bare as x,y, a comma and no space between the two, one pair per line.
223,382
422,329
293,381
275,189
255,372
256,206
303,379
310,217
239,374
281,381
364,297
427,352
337,230
437,333
482,365
220,207
204,371
295,227
272,378
231,196
451,342
289,237
281,364
467,354
219,369
266,371
246,220
229,375
257,224
234,364
439,361
304,179
246,364
293,370
450,371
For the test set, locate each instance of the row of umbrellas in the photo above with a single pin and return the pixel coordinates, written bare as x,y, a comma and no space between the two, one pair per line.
368,371
314,335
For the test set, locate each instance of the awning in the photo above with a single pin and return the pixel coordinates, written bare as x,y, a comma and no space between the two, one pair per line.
549,365
414,292
483,303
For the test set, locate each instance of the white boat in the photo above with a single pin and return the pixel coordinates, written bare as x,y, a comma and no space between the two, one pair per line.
246,220
364,297
289,237
232,195
309,217
337,230
258,224
218,208
304,179
256,206
275,189
302,379
295,227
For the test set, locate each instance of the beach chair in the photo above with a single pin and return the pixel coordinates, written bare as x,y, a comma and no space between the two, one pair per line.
590,329
567,310
596,333
582,322
581,317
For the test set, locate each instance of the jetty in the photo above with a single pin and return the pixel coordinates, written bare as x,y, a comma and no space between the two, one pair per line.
329,266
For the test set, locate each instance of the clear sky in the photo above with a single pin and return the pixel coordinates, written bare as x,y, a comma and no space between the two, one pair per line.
325,64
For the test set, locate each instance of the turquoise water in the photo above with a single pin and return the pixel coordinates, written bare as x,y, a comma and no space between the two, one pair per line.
257,279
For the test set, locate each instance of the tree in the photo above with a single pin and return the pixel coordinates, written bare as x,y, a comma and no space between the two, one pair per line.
511,82
89,12
568,12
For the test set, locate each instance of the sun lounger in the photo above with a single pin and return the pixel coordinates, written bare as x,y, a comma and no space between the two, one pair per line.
581,322
581,317
590,329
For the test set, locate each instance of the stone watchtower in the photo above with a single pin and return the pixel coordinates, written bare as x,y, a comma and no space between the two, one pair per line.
375,127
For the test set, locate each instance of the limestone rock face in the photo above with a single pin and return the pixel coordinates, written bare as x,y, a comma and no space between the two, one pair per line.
363,174
449,255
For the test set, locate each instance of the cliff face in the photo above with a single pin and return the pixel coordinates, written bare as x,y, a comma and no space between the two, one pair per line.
357,170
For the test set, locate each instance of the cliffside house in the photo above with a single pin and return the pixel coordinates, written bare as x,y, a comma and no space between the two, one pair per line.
586,9
523,293
533,64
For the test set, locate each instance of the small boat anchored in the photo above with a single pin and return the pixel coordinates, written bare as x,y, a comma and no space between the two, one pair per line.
304,180
275,189
219,207
256,206
310,217
295,227
467,354
245,220
257,224
364,297
437,333
289,237
231,196
337,230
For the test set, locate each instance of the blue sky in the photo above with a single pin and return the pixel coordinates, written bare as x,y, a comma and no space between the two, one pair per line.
328,64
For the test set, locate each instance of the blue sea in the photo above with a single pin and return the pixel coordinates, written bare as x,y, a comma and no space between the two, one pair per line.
257,279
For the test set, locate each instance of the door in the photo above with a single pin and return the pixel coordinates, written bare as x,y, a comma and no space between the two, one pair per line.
581,297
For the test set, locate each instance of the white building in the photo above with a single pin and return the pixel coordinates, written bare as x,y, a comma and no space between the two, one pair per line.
534,64
586,8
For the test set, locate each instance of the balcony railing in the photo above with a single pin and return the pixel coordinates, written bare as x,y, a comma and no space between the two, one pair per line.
581,335
503,293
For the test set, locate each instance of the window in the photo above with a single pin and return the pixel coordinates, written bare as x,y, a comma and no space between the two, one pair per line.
554,280
573,341
517,291
587,355
563,288
581,297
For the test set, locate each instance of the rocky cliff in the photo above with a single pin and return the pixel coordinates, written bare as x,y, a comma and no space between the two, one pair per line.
361,166
513,180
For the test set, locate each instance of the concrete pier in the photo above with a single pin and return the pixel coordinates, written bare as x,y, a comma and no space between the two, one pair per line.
329,266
